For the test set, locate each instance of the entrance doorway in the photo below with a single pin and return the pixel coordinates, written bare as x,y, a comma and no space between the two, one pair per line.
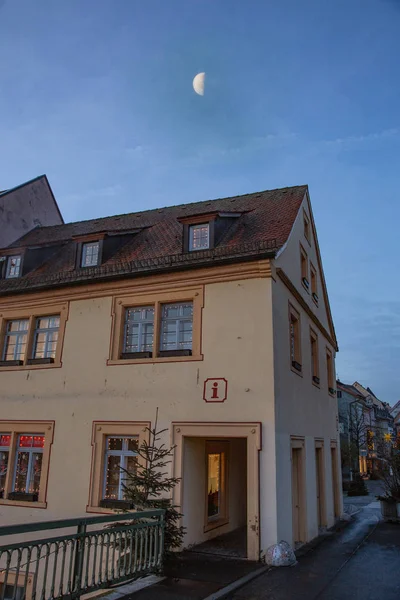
319,468
218,493
298,492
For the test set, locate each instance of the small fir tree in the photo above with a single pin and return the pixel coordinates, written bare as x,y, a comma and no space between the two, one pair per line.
150,486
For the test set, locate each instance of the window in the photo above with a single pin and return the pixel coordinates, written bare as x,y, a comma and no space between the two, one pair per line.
32,340
304,268
90,254
295,346
314,284
115,455
13,268
329,368
314,357
24,462
138,331
15,341
45,338
338,394
176,328
5,440
199,237
119,461
162,327
28,468
216,468
306,227
16,584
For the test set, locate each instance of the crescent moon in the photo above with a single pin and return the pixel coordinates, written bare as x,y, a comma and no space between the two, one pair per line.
198,83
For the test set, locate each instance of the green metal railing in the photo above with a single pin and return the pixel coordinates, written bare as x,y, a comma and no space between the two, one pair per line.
125,547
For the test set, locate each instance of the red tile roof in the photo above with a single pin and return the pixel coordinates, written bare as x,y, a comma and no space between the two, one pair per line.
264,226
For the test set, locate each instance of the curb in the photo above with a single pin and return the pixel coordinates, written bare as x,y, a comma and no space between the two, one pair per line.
232,587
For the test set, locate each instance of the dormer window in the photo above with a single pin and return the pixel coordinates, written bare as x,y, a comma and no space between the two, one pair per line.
90,254
13,268
199,237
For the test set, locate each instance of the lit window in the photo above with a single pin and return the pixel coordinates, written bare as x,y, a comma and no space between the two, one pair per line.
304,268
314,357
28,468
199,237
314,283
295,348
139,329
329,368
90,254
217,459
119,462
13,267
176,327
5,440
15,340
46,336
306,227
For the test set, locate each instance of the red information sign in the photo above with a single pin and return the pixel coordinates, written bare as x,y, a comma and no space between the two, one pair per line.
215,390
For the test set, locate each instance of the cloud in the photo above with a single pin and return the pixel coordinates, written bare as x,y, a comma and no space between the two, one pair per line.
369,137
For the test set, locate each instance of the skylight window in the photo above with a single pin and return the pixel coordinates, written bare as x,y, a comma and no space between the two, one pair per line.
90,254
199,237
13,268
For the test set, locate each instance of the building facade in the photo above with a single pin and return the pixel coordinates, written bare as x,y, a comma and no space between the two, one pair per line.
366,430
214,313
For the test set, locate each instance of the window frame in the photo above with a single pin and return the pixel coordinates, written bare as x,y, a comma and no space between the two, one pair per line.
8,334
16,429
304,269
179,319
296,358
124,453
156,299
101,430
314,283
8,267
32,314
140,353
330,371
83,253
191,231
315,374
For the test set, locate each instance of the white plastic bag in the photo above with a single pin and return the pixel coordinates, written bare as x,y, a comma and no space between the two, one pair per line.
280,555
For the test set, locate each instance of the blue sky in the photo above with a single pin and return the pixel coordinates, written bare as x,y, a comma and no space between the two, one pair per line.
97,94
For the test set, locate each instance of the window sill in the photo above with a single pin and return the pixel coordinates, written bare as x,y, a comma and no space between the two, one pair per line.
332,392
105,511
53,365
40,361
316,382
7,502
158,359
299,373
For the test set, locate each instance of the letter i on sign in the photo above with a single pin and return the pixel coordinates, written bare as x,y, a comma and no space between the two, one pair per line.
215,390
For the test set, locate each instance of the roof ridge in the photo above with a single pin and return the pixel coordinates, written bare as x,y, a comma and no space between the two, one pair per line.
17,187
150,210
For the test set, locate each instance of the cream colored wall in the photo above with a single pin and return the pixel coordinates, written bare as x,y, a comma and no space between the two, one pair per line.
301,408
289,261
237,345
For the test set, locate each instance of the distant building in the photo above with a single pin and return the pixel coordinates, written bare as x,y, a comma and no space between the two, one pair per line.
366,429
29,205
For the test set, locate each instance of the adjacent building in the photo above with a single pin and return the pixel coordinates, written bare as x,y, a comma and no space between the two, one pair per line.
217,314
26,206
366,429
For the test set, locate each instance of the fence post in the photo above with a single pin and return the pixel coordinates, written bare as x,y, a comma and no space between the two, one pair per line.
79,557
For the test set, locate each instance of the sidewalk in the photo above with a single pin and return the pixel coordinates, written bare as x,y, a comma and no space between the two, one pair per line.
363,556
